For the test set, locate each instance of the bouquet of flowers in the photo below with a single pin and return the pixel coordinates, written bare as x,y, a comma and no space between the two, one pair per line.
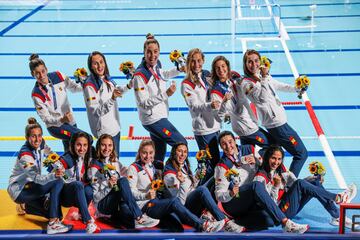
157,185
52,163
128,69
317,168
302,83
232,175
202,158
266,62
110,170
177,57
80,75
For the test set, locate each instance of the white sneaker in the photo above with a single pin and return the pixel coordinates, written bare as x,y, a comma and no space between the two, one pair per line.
231,226
348,222
146,222
207,216
91,227
292,227
213,226
348,195
20,209
58,227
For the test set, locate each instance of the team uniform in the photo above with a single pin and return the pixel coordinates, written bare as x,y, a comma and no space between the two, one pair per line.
140,179
117,201
51,104
102,110
272,115
243,121
40,193
153,107
245,207
77,191
205,123
293,194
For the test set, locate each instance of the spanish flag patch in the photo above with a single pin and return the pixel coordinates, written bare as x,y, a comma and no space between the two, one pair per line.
187,94
139,89
90,99
67,133
285,207
167,132
260,139
293,140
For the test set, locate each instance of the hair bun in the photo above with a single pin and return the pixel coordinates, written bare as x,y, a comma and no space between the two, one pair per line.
32,120
150,36
33,56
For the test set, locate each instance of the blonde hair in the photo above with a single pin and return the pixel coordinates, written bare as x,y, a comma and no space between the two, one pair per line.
190,75
144,143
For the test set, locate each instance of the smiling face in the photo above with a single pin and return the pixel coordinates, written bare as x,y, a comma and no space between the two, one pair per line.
106,147
222,70
275,160
196,63
98,65
40,73
181,154
253,63
151,54
228,145
35,137
147,154
81,146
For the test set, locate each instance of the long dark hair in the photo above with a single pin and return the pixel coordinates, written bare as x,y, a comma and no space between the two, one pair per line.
214,77
73,139
99,156
90,60
34,62
267,155
173,160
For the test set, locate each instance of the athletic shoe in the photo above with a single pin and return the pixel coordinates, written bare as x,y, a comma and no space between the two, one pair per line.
348,222
348,195
231,226
91,227
57,227
292,227
20,209
146,222
213,226
207,216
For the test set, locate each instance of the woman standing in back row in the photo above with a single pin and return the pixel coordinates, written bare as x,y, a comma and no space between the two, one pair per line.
51,102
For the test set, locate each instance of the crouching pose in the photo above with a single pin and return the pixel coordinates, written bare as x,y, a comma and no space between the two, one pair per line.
29,188
181,183
292,194
246,201
112,194
141,175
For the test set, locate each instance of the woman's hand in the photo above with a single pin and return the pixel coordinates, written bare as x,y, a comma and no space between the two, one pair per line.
151,194
113,181
116,93
277,180
180,177
59,172
250,159
264,71
234,191
171,90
